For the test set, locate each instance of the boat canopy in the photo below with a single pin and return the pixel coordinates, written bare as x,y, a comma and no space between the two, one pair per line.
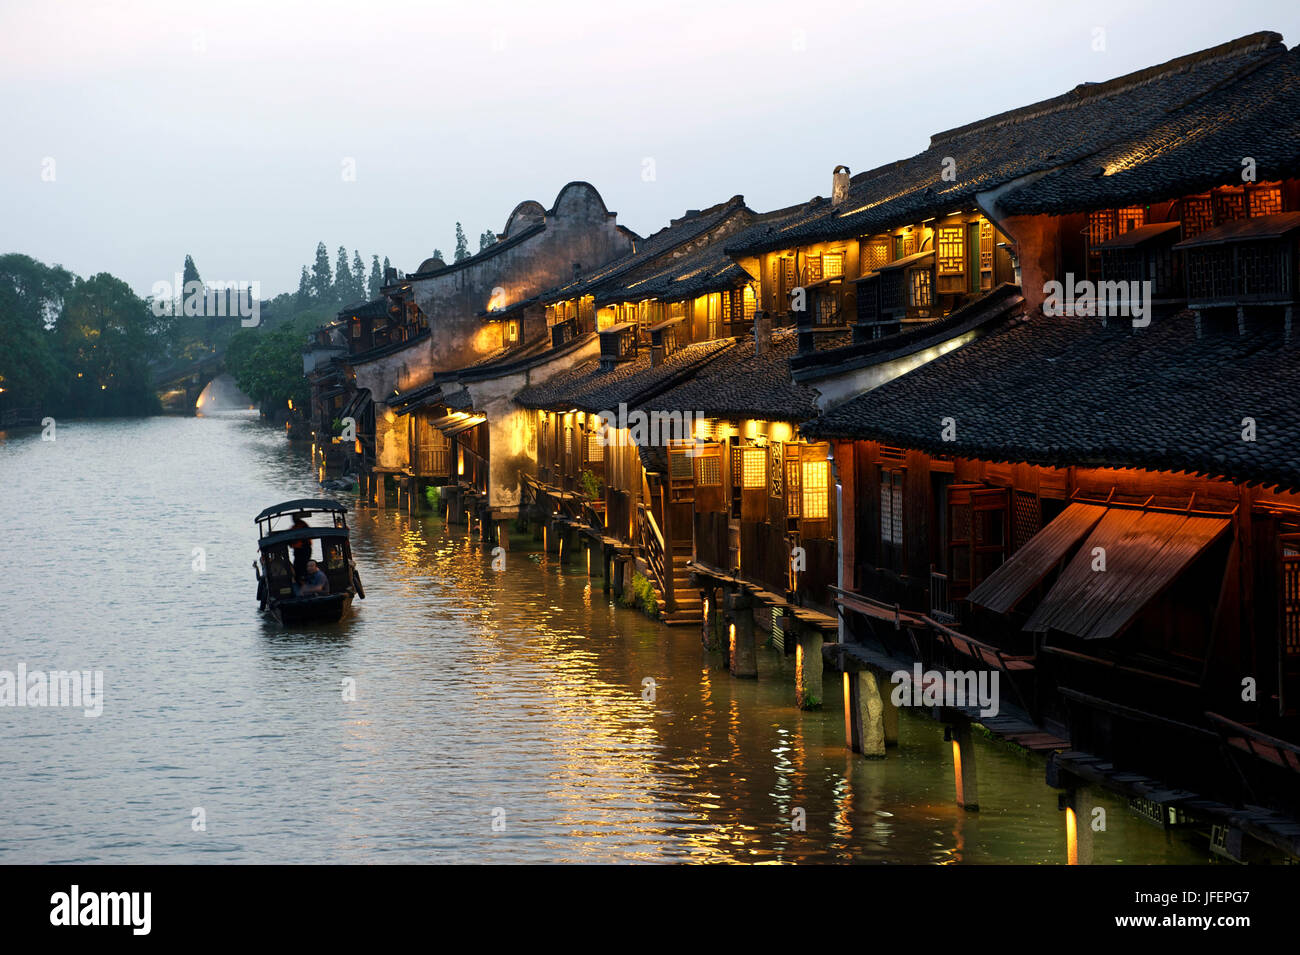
301,533
307,504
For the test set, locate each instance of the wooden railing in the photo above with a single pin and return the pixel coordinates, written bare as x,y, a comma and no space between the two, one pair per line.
941,605
435,462
656,554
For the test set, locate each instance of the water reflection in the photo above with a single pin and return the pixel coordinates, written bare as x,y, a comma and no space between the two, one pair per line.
479,696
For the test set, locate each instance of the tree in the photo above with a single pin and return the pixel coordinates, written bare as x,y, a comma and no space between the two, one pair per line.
322,279
462,244
486,239
358,277
387,268
107,336
31,300
304,289
437,254
344,287
376,278
191,272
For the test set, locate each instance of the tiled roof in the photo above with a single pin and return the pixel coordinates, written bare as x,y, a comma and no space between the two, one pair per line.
1068,391
606,279
1197,147
706,269
592,389
740,384
1036,138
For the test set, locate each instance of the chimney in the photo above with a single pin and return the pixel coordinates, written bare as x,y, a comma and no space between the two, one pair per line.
839,185
762,332
390,276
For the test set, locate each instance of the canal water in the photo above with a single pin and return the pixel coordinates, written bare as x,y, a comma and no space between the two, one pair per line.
498,716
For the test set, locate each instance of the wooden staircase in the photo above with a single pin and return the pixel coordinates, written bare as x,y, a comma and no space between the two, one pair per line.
690,608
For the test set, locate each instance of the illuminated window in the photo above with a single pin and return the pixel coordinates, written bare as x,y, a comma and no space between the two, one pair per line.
891,507
749,303
816,490
833,265
875,253
679,465
919,288
1265,201
754,476
1197,215
792,483
512,331
776,469
1229,204
950,249
708,470
814,268
1130,218
595,449
356,329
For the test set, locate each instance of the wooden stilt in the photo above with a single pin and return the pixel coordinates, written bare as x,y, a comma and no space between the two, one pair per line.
1079,807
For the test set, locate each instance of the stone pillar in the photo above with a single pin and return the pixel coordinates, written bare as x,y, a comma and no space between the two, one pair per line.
503,534
864,726
808,668
743,658
963,760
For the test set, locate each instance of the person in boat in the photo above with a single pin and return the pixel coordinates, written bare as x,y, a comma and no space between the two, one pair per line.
301,550
315,581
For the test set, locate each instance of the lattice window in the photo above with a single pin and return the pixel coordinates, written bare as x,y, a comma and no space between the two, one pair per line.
787,274
356,329
1229,205
833,265
1130,218
1101,226
776,470
708,470
754,476
875,253
1026,519
1290,572
814,268
595,448
792,483
1197,215
950,249
749,303
680,466
891,507
816,490
986,254
1265,201
909,244
920,290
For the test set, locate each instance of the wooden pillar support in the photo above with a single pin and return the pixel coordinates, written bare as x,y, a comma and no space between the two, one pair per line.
743,657
607,564
808,667
568,541
963,757
381,489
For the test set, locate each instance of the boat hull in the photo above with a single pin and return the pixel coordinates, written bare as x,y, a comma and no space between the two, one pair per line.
326,608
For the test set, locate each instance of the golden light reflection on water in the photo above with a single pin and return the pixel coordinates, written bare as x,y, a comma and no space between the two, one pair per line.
475,690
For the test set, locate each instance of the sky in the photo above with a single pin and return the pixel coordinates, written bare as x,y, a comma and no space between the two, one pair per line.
242,133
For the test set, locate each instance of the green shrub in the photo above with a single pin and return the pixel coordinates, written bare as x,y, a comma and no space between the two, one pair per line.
433,494
642,595
592,486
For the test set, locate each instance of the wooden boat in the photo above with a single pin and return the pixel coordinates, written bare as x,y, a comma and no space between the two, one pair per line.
282,532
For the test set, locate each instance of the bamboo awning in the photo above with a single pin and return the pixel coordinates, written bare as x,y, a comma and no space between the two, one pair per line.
1144,552
1026,568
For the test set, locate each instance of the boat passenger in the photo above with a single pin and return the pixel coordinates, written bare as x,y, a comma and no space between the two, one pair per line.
301,550
315,581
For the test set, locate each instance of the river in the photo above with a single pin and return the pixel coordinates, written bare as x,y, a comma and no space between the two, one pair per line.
498,717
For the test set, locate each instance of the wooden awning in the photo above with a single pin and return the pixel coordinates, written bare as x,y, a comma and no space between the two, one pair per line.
464,424
1027,567
1144,552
